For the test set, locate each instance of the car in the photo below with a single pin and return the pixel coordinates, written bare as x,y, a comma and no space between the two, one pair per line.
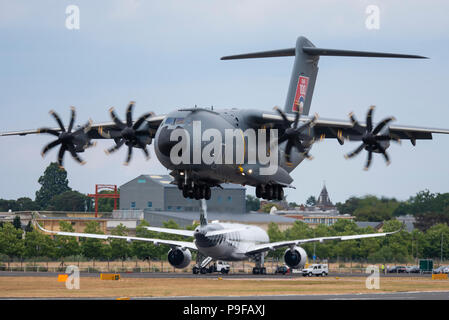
412,269
441,269
397,269
218,266
316,269
282,269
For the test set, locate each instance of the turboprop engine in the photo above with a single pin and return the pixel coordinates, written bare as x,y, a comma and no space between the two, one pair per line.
295,257
179,258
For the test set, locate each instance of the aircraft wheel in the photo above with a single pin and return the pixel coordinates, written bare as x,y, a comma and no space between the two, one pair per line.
268,192
207,193
195,270
185,191
203,270
275,192
259,191
197,192
281,193
256,270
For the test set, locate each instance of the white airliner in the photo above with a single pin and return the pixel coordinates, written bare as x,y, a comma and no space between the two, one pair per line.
224,241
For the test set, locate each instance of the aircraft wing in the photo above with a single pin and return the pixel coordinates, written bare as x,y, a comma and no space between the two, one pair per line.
97,130
290,243
331,128
186,233
171,243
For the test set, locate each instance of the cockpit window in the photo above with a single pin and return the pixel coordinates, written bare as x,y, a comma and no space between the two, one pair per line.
174,121
170,121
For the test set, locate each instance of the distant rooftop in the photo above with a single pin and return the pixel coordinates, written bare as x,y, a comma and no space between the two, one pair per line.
166,180
245,217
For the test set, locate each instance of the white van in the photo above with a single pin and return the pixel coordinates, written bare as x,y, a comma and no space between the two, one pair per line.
316,269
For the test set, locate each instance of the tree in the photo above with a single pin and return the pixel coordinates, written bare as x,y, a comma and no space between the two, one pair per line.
66,245
120,248
39,245
53,182
16,222
68,201
142,249
29,227
26,204
106,204
428,219
91,247
311,201
11,242
252,203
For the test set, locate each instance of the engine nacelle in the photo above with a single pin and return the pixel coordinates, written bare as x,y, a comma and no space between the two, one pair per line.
179,258
295,258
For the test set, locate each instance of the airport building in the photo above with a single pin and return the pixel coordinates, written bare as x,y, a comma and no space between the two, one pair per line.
158,200
157,193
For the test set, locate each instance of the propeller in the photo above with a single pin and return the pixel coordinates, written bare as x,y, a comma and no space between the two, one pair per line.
127,133
67,139
371,139
295,136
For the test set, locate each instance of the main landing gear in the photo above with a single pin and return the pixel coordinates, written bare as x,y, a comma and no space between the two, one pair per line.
270,192
259,268
194,190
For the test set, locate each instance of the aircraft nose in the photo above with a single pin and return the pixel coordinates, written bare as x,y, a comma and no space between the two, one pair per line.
164,143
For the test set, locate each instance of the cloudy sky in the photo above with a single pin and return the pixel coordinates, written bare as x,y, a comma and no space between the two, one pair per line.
165,54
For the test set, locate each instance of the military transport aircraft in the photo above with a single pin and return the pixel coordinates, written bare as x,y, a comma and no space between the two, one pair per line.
223,241
204,147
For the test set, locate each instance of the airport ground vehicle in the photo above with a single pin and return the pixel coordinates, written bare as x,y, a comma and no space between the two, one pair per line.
282,269
397,269
316,269
412,269
441,269
217,266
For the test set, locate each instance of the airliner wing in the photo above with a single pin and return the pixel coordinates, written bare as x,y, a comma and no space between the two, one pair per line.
186,233
171,243
290,243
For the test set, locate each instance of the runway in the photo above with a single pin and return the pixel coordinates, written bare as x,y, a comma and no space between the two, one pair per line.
187,275
439,295
405,296
399,293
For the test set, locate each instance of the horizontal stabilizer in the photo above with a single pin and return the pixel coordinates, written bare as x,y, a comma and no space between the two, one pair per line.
264,54
321,52
351,53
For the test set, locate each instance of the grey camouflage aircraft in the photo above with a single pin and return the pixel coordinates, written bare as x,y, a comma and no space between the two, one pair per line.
293,130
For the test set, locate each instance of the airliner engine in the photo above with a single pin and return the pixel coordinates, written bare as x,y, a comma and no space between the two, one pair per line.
295,257
179,258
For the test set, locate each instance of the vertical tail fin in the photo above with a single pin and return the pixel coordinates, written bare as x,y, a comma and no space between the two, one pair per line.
302,80
305,69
